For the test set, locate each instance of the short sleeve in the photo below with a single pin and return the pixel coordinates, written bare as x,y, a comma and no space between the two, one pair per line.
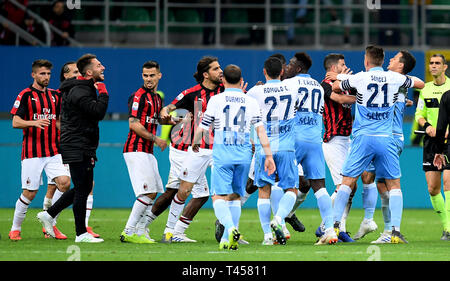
20,105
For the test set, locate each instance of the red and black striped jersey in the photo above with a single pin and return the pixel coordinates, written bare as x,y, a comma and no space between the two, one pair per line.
195,101
33,104
145,106
337,118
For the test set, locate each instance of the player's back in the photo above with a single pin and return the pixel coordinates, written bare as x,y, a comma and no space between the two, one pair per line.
277,103
310,107
378,92
232,114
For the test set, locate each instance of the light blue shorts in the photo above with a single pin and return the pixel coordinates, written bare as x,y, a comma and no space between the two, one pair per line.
383,152
229,178
287,170
310,156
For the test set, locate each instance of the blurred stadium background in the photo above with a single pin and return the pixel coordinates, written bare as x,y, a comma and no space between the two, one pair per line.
125,34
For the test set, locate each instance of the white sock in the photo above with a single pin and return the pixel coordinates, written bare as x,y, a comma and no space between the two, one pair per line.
244,198
89,204
176,208
139,207
56,197
20,212
47,203
181,225
145,219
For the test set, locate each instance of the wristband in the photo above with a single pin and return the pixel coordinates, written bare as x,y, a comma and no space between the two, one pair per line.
426,125
102,88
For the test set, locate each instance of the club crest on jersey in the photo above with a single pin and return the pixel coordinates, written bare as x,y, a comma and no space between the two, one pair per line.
145,186
185,172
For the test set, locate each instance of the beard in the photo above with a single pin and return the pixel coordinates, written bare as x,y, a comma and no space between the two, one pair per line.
98,77
43,84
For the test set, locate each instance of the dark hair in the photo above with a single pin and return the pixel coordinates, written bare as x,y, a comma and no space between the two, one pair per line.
232,74
280,57
332,59
151,64
375,55
203,66
84,61
444,61
273,67
41,63
65,69
304,61
408,60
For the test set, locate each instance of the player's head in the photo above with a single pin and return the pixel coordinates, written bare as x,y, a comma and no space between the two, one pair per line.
68,70
334,62
232,76
403,62
90,67
283,62
374,57
151,75
273,68
299,63
437,65
208,68
41,71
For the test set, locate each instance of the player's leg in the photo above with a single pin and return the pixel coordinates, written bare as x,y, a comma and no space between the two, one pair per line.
433,179
369,196
264,212
326,211
89,206
51,188
446,234
385,236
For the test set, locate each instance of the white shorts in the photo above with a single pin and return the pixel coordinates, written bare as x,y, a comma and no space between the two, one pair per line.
32,170
144,173
50,180
176,158
195,165
335,152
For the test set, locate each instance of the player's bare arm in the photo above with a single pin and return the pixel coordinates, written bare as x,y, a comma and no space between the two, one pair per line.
140,130
269,164
342,98
165,112
19,123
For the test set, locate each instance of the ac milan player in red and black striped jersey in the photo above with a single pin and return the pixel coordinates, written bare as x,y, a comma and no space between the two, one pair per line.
36,111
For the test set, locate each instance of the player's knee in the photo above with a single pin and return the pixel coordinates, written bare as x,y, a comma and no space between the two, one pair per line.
63,183
29,194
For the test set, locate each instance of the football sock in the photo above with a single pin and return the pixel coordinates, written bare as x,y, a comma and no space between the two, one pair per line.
286,204
369,196
447,208
182,224
244,198
139,207
223,214
340,202
20,212
264,214
300,199
176,208
385,210
89,204
438,203
396,207
47,203
275,196
144,221
325,208
235,210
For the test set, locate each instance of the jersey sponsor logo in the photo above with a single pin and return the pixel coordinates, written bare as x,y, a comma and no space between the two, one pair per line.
307,121
377,115
46,114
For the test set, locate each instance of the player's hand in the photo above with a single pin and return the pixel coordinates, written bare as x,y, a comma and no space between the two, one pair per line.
243,85
161,143
409,103
269,165
439,160
331,75
41,123
165,116
101,87
347,71
431,131
196,148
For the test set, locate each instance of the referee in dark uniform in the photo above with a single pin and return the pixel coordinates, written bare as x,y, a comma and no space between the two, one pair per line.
81,110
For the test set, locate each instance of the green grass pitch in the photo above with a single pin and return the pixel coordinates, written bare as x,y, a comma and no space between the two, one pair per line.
421,228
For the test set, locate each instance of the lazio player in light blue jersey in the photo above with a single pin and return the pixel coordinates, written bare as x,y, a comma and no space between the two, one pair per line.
277,103
372,133
308,137
232,113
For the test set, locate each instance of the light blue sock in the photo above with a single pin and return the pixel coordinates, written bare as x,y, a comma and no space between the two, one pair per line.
275,197
325,207
396,207
341,201
235,210
264,214
223,214
385,210
286,204
370,196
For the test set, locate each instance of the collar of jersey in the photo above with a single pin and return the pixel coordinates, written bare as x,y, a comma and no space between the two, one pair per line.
233,90
273,81
376,68
303,75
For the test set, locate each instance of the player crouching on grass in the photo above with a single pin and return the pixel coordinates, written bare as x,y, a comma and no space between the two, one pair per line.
232,150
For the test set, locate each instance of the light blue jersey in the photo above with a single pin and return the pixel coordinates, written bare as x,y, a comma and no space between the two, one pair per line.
310,107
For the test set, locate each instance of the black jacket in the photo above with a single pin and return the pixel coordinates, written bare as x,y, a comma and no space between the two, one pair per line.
81,110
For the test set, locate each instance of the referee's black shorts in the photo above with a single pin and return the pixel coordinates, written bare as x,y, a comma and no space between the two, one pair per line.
428,155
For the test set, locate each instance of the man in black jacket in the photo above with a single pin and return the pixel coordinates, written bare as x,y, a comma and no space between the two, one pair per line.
81,110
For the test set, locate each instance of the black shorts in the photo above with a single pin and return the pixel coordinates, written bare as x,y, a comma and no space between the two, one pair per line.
428,155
